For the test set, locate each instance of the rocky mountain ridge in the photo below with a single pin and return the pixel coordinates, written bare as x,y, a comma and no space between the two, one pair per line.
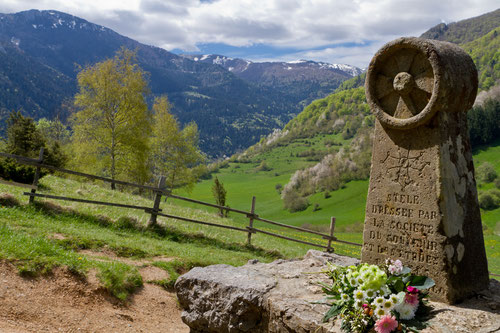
307,80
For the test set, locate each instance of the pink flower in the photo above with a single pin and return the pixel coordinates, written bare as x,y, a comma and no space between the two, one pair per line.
396,267
411,299
386,324
412,290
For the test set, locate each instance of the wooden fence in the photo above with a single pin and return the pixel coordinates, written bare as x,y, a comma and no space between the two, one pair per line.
155,211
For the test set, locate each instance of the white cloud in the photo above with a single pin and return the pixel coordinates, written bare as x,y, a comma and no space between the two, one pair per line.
299,24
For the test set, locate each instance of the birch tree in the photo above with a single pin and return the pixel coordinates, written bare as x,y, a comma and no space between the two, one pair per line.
111,130
175,152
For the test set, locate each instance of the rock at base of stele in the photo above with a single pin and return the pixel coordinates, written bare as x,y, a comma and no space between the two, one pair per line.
284,297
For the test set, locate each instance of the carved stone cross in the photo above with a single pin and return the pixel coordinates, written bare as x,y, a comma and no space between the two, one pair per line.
422,202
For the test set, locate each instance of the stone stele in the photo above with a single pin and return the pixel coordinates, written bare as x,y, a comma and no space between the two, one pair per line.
422,205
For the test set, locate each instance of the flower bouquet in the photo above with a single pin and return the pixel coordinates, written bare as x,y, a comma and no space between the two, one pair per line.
382,299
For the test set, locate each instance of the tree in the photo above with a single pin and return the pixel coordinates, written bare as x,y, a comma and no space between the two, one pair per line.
53,131
219,193
484,122
175,152
24,139
112,128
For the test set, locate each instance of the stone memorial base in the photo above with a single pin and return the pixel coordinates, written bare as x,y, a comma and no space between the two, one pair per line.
277,297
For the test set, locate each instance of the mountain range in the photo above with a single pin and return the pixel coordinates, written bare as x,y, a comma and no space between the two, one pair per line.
303,80
41,53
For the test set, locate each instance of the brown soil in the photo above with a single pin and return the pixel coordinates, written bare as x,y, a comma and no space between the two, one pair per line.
62,302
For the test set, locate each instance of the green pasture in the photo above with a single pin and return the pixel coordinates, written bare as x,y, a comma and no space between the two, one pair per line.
244,180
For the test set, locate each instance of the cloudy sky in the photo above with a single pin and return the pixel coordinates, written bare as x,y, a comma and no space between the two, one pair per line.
335,31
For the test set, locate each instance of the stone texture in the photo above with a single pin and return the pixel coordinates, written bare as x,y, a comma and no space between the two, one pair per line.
257,297
422,202
223,298
277,298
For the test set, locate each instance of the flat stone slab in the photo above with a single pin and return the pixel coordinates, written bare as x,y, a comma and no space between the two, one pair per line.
279,296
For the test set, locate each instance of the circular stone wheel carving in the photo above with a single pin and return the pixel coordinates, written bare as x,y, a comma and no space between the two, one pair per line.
402,83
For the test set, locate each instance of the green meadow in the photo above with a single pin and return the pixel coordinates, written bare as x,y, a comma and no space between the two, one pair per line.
347,205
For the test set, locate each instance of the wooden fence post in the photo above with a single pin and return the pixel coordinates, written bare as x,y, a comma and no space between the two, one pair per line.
250,224
330,249
37,176
156,206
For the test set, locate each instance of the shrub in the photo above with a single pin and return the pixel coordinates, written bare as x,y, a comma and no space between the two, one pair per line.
488,200
278,188
293,202
264,167
486,172
316,207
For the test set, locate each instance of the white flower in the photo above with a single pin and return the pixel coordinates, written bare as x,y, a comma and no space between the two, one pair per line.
344,297
370,293
406,311
378,301
359,295
379,312
394,299
353,281
388,304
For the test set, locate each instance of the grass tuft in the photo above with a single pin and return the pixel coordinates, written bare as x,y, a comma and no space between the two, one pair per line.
8,200
128,223
119,279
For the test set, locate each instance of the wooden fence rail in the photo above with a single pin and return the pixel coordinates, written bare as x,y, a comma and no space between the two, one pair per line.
155,211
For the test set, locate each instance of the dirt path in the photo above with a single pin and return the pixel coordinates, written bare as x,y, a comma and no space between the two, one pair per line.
63,303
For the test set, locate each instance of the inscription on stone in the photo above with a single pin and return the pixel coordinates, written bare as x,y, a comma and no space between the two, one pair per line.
422,201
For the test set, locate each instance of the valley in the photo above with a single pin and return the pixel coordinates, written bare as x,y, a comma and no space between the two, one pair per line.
296,135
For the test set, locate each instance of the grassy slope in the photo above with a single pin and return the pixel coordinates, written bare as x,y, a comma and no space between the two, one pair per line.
485,52
40,237
242,181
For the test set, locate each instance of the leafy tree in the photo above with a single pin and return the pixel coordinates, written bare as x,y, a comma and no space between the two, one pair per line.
112,128
24,139
53,131
219,193
175,152
484,122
